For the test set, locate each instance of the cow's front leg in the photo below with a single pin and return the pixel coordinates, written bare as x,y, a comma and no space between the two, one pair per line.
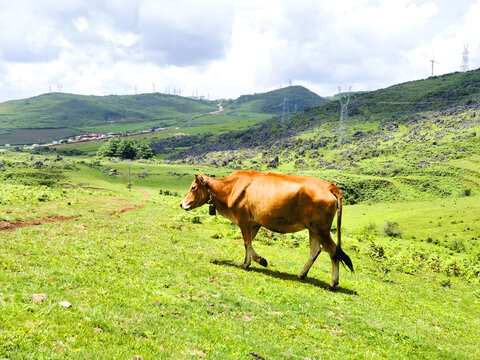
249,232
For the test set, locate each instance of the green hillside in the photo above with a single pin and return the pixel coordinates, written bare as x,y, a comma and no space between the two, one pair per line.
291,99
59,115
373,112
55,115
56,110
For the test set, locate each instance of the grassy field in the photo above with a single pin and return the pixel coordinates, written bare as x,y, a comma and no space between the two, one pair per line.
146,280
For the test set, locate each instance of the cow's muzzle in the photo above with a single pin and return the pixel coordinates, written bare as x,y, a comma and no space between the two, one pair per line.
184,207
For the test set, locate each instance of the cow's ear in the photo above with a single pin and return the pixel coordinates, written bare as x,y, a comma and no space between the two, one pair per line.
200,179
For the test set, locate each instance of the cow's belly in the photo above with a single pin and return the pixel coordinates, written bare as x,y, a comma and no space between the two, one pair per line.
282,225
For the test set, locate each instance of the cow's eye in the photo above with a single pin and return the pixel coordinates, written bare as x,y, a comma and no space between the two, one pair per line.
193,188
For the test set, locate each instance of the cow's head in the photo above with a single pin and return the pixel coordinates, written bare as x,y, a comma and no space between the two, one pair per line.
197,195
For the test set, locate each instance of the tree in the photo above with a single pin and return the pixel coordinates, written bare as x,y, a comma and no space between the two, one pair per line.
127,149
145,151
109,148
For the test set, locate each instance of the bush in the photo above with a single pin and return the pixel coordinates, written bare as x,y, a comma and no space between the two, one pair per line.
467,192
392,229
456,245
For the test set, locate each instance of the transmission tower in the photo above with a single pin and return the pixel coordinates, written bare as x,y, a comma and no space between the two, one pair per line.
433,63
286,109
236,110
465,65
343,126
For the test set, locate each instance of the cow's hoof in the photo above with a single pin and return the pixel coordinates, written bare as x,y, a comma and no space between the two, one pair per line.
333,285
263,262
245,266
302,276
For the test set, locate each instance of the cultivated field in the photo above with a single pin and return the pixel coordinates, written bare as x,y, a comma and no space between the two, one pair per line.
146,280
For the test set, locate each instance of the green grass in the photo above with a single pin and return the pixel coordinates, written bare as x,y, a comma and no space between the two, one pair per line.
162,283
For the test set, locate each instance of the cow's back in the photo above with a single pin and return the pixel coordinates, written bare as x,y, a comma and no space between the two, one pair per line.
282,203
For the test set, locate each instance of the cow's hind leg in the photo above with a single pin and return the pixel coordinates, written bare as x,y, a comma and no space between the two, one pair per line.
330,247
249,233
314,252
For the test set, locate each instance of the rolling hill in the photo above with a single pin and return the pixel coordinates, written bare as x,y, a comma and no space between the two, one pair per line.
290,99
53,115
59,115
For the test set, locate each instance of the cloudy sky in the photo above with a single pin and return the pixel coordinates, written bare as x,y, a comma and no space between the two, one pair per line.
226,48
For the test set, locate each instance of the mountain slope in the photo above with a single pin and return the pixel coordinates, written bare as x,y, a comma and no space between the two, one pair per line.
60,110
289,99
399,103
59,115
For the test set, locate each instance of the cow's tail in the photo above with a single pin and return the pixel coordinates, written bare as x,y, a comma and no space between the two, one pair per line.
339,254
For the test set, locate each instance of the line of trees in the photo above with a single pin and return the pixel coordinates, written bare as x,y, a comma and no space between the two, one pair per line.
125,149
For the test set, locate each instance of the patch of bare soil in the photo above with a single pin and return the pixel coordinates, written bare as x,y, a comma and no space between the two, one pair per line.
127,208
13,225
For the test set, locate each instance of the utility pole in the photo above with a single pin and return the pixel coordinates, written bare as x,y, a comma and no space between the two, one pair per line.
129,178
343,126
465,66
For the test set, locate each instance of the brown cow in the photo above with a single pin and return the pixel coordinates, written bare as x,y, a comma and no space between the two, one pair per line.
281,203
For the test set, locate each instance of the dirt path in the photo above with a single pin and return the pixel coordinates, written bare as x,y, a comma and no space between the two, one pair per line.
13,225
146,194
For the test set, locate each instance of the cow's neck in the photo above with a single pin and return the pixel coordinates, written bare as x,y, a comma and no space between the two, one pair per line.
219,190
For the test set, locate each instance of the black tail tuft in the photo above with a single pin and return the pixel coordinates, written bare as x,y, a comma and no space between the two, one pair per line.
342,257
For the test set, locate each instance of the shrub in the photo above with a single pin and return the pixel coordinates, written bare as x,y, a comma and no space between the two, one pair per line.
196,220
467,192
392,229
456,245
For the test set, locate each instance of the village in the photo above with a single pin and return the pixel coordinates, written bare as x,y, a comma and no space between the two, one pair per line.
91,137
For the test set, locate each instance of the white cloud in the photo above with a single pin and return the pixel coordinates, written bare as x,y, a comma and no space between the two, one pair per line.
184,32
227,48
